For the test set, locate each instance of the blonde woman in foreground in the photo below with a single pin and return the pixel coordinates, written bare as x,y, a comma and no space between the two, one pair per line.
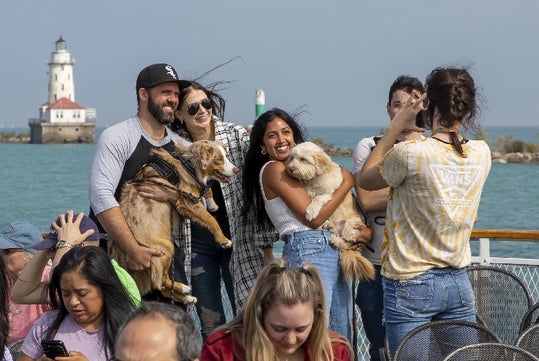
284,319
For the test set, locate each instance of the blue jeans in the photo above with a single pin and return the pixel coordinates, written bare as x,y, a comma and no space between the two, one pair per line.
313,247
209,264
437,294
370,300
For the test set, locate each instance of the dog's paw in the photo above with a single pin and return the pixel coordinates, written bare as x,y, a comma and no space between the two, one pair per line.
225,243
313,209
211,205
189,300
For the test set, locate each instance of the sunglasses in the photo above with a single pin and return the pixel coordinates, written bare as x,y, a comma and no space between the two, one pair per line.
193,108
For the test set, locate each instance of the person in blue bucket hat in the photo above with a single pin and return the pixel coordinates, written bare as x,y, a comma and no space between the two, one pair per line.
16,242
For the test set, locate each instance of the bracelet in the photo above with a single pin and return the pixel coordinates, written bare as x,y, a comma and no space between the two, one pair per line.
62,244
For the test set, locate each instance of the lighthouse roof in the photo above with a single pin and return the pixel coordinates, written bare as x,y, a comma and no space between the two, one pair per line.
65,103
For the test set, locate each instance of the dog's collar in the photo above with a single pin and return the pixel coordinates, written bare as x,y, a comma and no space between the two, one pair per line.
191,170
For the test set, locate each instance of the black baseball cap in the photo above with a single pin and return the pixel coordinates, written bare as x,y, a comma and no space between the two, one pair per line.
156,74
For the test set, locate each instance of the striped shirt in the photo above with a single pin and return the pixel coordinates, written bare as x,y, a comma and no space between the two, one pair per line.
432,205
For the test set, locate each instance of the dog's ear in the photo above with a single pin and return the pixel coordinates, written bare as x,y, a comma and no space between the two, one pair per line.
206,153
322,160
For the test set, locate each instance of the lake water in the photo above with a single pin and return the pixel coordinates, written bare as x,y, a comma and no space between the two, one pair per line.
39,182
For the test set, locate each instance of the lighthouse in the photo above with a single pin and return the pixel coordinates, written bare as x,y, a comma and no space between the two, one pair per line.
61,119
61,83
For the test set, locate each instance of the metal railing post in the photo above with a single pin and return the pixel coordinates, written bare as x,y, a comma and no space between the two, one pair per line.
484,251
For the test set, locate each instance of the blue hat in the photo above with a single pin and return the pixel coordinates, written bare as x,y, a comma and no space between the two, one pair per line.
85,224
20,234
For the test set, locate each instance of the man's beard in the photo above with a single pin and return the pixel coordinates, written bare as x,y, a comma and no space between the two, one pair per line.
158,113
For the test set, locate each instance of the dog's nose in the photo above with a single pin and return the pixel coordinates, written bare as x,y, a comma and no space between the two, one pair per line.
235,170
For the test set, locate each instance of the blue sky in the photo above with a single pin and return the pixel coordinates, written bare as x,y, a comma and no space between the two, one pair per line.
337,59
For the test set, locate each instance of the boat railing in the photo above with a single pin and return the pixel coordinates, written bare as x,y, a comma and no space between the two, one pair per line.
484,236
527,269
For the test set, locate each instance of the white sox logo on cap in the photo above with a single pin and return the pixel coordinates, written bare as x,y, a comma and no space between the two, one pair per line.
170,71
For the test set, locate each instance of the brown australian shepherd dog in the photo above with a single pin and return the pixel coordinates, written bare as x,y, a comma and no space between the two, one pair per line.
150,220
321,177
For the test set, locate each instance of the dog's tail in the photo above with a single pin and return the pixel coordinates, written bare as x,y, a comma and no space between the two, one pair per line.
354,265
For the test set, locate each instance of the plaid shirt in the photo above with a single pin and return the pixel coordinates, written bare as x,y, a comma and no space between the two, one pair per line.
247,239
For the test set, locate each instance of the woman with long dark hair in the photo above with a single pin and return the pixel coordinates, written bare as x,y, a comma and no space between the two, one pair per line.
89,305
280,201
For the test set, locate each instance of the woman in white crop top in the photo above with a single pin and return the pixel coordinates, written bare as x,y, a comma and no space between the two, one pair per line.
279,200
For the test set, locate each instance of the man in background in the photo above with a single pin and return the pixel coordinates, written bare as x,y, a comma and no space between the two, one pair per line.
369,296
158,332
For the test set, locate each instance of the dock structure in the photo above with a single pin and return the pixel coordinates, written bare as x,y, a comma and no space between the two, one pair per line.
61,119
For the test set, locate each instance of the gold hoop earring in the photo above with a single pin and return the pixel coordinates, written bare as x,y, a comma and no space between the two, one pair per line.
263,152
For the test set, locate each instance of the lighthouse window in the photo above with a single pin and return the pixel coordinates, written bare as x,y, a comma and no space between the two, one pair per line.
62,86
55,76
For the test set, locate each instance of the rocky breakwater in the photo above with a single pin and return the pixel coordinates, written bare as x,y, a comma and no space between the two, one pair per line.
497,157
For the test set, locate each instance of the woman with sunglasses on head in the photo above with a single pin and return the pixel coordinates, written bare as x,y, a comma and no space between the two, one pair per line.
436,184
284,319
199,117
281,201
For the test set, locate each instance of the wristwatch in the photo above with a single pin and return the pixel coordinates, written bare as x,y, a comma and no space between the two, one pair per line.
62,244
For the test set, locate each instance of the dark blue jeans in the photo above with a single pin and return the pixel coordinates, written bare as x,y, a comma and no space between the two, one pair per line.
370,300
436,294
209,265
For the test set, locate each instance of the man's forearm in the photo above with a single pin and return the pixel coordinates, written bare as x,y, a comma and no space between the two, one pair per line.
113,221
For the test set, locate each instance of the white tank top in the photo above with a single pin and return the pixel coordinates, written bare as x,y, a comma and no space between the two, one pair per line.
283,219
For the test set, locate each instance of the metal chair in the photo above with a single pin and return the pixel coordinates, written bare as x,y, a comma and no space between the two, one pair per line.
530,318
501,300
490,352
435,340
529,340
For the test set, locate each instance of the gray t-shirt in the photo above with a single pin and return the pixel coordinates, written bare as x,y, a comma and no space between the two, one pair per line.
121,151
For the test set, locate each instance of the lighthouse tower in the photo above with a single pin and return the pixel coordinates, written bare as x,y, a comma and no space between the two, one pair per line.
61,83
61,119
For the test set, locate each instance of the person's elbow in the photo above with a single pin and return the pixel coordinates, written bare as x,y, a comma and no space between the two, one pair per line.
371,180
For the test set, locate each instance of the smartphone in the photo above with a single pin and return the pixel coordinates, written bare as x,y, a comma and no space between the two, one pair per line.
420,119
54,348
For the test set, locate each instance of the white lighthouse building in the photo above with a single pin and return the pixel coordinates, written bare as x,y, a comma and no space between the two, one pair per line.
61,119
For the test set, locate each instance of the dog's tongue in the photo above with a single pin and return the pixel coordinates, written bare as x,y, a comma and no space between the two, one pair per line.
222,178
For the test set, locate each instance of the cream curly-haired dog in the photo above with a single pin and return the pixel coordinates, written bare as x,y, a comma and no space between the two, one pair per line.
321,177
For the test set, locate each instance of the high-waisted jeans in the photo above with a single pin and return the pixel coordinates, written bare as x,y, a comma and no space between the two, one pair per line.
313,247
210,264
437,294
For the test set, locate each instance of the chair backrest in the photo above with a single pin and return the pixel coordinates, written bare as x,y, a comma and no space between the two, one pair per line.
435,340
530,318
490,352
529,340
501,300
